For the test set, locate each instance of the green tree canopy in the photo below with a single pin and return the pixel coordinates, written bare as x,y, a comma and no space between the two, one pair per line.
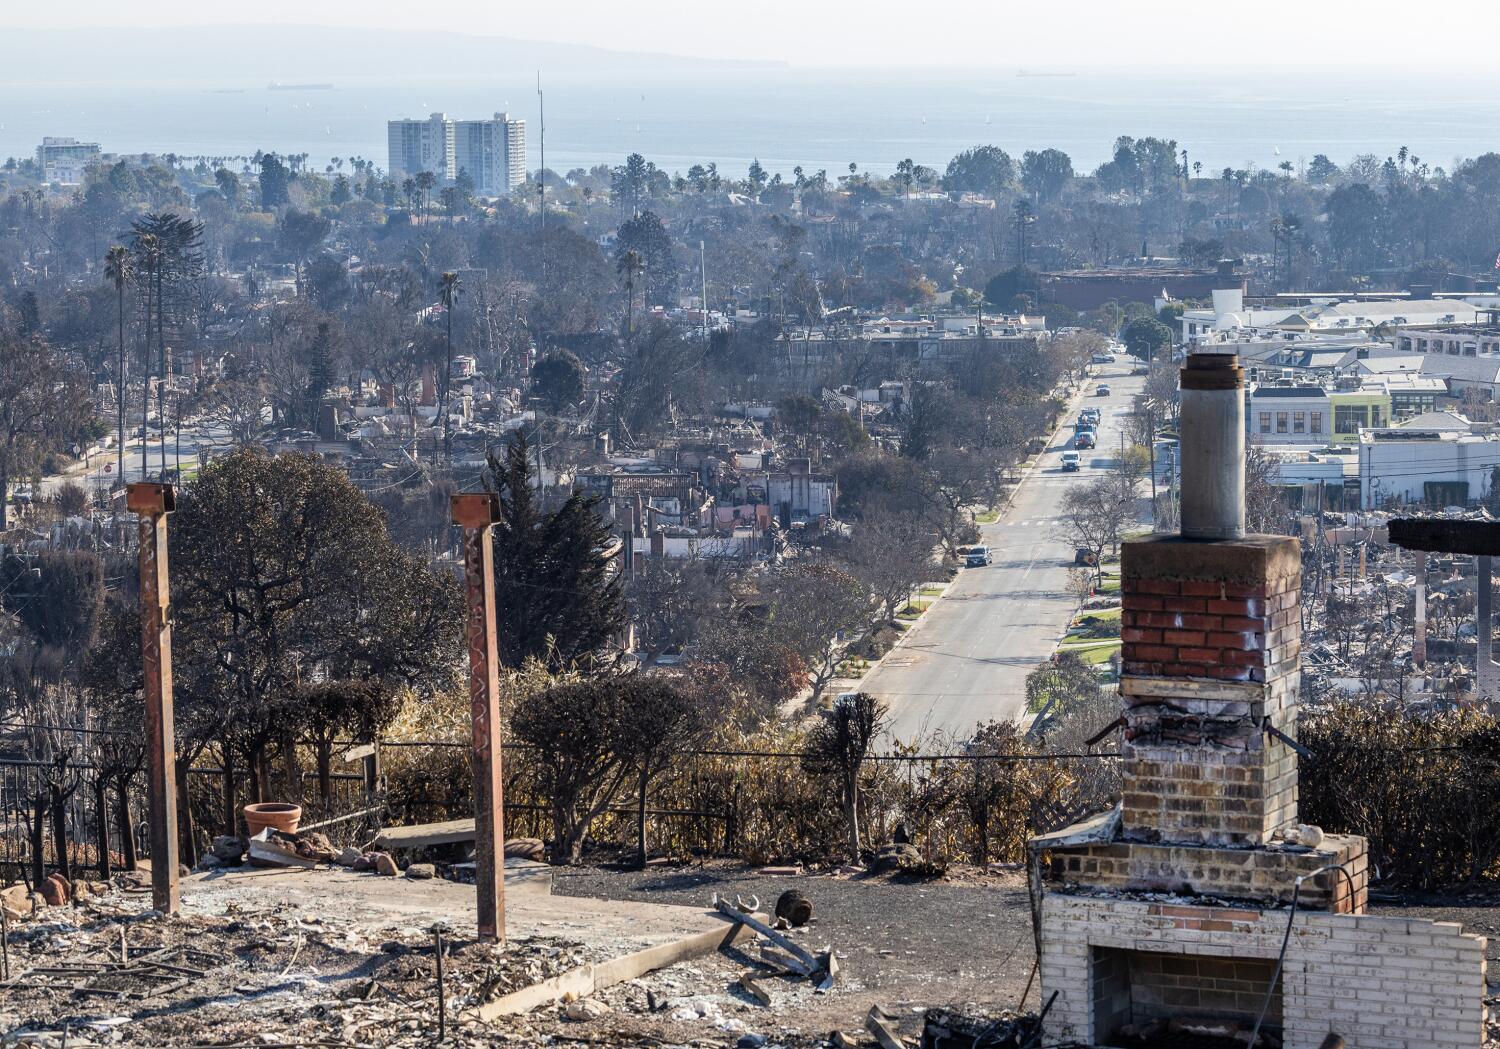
557,597
981,169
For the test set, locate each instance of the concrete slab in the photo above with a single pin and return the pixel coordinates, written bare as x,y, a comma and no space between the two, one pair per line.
634,937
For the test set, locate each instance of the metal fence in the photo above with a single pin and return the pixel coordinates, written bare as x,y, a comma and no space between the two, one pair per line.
756,804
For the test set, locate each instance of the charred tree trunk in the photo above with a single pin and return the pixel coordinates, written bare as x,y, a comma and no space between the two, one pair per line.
124,825
38,830
293,769
325,773
101,826
60,832
187,847
643,781
231,802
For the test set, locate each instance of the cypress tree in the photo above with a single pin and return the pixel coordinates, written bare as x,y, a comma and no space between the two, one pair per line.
556,599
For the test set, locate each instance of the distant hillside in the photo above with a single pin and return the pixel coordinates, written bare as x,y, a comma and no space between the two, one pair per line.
261,53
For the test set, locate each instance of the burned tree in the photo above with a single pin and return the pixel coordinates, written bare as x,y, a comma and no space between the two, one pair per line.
838,746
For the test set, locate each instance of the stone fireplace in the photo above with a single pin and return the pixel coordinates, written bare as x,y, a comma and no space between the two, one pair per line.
1162,922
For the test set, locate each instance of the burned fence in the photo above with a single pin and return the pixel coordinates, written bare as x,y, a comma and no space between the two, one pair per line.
759,802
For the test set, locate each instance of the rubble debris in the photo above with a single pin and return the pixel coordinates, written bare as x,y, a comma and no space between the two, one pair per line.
385,865
526,849
751,985
56,890
794,907
585,1009
878,1023
952,1029
348,856
421,871
229,849
896,857
273,848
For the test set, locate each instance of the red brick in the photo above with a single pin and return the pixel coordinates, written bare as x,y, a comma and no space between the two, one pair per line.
1142,669
1200,623
1141,602
1153,653
1242,623
1199,655
1185,604
1155,586
1244,591
1182,637
1178,670
1198,588
1138,635
1244,642
1236,606
1245,659
1227,673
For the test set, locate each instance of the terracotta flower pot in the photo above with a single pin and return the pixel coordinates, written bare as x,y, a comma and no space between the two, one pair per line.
278,815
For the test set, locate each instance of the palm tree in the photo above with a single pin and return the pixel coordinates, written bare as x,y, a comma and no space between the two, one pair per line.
630,266
449,288
148,255
425,181
117,272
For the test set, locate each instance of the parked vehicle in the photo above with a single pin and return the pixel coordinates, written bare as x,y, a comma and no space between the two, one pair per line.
1102,358
1084,556
1071,461
978,557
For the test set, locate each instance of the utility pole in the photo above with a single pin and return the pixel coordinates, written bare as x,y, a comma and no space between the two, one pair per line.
541,178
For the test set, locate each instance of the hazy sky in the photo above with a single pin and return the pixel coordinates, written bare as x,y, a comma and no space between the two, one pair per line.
1138,34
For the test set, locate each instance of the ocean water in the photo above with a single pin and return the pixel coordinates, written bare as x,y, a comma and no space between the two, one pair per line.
786,117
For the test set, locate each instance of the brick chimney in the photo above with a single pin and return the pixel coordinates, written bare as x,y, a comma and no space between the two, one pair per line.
1172,907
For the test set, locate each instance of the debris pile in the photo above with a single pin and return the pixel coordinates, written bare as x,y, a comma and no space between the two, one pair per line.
950,1029
109,973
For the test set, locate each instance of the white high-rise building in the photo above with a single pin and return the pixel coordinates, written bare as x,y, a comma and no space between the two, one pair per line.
492,152
421,145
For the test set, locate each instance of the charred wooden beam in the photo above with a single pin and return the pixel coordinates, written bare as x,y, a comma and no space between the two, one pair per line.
1439,535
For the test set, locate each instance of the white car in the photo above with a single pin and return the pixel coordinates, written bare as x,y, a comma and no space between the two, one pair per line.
1071,461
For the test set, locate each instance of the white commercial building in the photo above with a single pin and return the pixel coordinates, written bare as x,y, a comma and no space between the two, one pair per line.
491,152
1331,315
1434,463
1287,414
63,161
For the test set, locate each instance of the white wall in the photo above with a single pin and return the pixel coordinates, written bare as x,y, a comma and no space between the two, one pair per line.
1397,469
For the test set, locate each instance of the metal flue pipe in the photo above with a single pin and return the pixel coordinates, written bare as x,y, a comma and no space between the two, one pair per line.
1213,447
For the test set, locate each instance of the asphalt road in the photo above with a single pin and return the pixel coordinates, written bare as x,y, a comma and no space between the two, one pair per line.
965,661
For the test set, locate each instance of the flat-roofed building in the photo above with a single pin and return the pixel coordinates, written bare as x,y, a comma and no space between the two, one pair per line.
64,161
492,153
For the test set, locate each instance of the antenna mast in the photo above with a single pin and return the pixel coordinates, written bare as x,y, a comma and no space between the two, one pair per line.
541,178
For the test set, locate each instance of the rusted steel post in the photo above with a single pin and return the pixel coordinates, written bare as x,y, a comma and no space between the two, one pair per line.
152,503
477,514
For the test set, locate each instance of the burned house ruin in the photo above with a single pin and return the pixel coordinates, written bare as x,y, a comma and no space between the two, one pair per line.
1170,921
